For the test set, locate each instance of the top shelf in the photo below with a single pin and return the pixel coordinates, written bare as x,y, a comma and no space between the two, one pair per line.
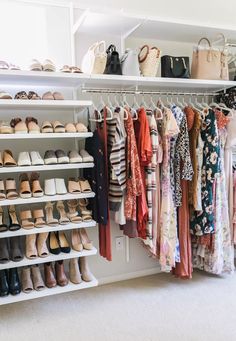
59,79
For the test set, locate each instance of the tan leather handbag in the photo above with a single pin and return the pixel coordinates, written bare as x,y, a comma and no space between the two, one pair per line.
209,62
149,60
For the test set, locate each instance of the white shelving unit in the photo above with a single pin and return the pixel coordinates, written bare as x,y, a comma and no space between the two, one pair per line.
70,226
50,258
48,292
43,104
46,198
43,168
45,136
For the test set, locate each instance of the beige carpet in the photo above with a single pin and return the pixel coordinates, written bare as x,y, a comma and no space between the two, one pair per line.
155,308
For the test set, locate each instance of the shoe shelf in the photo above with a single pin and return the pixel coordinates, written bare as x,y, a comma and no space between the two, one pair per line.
20,169
43,104
60,79
46,198
45,136
48,292
50,258
70,226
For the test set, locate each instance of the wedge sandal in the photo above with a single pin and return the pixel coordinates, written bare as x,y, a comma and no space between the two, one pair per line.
85,186
74,186
26,219
25,191
32,125
37,190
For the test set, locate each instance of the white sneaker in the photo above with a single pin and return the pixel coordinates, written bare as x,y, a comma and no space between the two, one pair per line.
36,158
60,186
86,157
50,187
24,159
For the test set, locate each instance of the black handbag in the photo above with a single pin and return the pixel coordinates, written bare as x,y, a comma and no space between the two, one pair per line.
113,66
175,67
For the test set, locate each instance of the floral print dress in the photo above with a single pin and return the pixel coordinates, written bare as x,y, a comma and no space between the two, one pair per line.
202,222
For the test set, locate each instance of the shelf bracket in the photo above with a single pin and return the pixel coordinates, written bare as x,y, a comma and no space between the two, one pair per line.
133,29
80,21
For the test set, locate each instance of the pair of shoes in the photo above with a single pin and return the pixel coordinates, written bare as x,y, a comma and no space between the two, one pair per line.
8,189
50,279
27,222
8,66
80,240
55,186
75,128
6,159
9,282
52,157
36,245
30,159
82,156
58,243
79,270
47,65
12,217
51,221
85,213
10,250
53,127
70,69
31,279
29,126
31,95
30,187
78,186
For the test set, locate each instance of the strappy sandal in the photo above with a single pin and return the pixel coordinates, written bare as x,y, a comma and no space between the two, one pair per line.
19,126
8,160
21,95
85,213
33,95
65,69
85,186
25,191
13,220
75,69
58,127
2,190
86,242
51,221
26,219
38,216
74,186
63,220
81,128
73,214
11,189
37,190
32,125
47,127
4,65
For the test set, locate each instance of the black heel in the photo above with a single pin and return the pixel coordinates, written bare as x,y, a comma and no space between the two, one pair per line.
13,217
3,227
54,246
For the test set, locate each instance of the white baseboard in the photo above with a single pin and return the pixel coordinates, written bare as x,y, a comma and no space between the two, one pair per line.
129,275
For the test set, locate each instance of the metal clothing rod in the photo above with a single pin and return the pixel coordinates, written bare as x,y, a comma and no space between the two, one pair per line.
140,92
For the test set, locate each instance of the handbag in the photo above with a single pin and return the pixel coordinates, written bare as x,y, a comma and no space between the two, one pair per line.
94,61
149,60
113,65
209,63
175,67
129,63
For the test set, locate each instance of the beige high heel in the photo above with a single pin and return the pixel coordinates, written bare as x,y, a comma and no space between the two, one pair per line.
76,241
84,270
73,214
51,221
38,216
30,246
85,213
63,220
42,245
86,242
26,219
74,273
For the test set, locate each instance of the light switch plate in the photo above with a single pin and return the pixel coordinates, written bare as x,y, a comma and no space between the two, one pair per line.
119,243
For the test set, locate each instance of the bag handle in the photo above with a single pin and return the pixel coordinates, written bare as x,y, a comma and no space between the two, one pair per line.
206,39
141,60
172,67
224,39
111,48
101,46
93,47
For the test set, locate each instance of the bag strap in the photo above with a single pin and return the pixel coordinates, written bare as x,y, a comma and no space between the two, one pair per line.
93,47
101,46
206,39
111,48
141,60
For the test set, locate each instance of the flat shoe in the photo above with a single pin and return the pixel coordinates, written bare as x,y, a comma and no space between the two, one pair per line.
5,128
47,127
86,157
58,96
65,68
74,157
35,65
58,127
48,96
21,95
81,128
19,126
24,159
50,157
70,128
61,156
36,159
48,65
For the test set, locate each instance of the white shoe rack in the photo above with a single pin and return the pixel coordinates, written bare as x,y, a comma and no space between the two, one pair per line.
74,108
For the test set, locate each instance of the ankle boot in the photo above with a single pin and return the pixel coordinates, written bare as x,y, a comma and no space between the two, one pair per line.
42,245
14,282
84,269
16,254
4,287
26,280
4,253
49,277
37,278
75,276
30,246
60,273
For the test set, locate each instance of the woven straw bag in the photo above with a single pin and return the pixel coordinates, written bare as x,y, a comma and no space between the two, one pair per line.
94,61
149,60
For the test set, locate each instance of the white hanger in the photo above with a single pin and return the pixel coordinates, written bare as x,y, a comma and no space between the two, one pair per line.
99,119
143,103
104,105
